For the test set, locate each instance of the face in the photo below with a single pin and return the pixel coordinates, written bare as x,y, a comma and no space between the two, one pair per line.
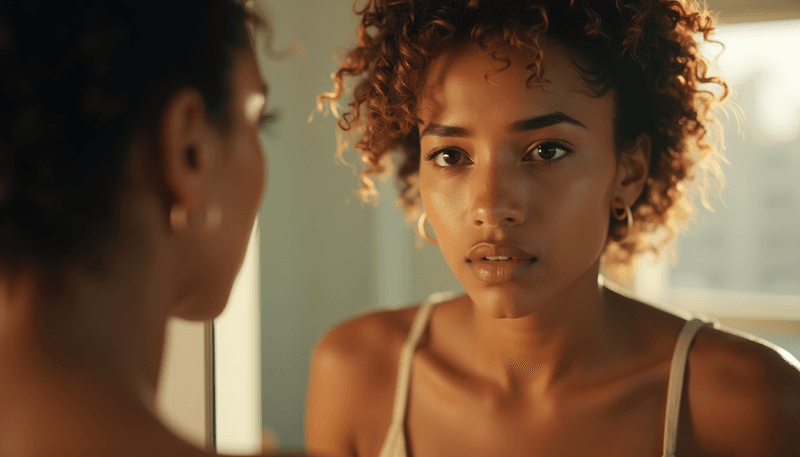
508,171
237,185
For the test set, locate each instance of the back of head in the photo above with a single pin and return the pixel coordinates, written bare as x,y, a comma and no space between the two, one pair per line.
80,79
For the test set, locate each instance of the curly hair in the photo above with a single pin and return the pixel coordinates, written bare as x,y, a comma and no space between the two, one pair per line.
645,52
80,79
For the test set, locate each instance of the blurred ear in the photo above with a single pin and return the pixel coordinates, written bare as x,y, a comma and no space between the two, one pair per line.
186,148
632,170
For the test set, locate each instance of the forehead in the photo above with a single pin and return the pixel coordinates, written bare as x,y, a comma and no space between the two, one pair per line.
468,79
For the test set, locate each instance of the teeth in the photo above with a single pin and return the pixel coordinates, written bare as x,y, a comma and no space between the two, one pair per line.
498,258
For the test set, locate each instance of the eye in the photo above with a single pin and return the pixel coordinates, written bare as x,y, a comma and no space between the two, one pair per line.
446,157
267,119
548,151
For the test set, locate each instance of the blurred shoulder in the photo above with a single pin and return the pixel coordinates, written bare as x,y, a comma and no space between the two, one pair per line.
743,394
201,453
191,451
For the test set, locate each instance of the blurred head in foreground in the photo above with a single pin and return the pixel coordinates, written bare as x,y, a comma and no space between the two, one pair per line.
130,177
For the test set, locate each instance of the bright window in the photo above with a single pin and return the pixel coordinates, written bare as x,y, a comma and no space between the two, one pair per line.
743,262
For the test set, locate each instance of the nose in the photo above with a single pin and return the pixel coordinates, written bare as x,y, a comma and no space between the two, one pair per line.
497,200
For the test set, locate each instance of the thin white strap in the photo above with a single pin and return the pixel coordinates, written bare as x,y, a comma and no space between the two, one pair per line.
675,388
394,445
406,357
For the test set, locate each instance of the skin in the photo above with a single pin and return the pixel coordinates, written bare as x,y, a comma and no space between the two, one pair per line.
80,370
598,362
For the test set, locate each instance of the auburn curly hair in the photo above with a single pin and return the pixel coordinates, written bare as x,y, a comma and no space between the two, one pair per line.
645,52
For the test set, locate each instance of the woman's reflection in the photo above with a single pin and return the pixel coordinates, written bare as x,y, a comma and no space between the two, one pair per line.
539,141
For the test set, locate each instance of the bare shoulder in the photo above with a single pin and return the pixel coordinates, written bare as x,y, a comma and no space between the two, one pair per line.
351,379
365,343
743,394
370,343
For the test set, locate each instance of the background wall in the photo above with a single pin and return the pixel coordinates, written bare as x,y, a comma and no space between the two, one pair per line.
326,256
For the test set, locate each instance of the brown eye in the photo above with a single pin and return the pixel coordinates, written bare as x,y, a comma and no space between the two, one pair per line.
267,119
449,157
548,151
446,157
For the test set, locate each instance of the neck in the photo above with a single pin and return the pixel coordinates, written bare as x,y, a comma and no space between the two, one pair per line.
79,411
81,369
570,337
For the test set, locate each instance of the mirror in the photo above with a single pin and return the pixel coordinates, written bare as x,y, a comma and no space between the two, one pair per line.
323,256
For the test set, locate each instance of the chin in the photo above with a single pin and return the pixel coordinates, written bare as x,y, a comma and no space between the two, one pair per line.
199,308
503,301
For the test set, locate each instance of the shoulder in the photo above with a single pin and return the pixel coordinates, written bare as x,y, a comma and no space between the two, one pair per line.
368,346
363,341
352,377
743,394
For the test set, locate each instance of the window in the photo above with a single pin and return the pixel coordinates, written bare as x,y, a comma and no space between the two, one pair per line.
741,264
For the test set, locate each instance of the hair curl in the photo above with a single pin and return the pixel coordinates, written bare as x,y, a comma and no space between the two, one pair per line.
80,79
646,52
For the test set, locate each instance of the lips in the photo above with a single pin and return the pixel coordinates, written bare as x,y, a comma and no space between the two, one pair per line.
499,262
491,252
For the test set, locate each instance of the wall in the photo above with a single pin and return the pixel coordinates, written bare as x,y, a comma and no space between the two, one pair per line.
181,393
317,239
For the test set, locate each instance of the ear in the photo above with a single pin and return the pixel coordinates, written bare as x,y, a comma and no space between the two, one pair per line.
632,171
186,149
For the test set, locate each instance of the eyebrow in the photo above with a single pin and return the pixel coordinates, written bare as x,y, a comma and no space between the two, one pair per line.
534,123
540,122
444,130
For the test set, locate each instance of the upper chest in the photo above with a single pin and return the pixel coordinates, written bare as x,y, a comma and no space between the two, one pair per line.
449,412
621,420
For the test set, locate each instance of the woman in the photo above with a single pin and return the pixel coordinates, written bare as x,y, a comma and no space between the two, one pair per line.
130,179
541,140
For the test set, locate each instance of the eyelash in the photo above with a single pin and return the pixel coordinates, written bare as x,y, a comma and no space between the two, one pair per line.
431,155
558,143
267,120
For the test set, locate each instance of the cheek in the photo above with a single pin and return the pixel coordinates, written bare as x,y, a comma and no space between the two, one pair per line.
254,165
581,217
245,179
261,176
265,172
445,201
441,200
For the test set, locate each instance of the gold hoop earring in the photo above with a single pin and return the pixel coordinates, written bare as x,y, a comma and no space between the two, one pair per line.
626,215
421,229
179,219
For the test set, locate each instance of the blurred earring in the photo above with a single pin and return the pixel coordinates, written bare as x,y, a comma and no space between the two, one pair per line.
421,229
179,219
622,212
213,218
